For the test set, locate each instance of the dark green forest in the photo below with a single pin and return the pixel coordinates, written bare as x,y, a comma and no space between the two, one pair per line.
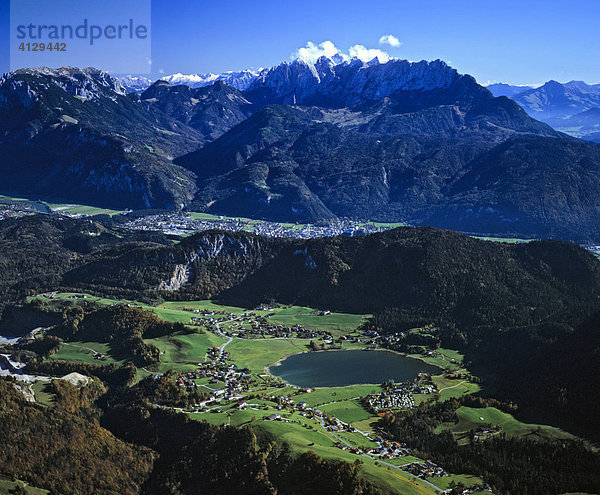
116,442
525,316
512,466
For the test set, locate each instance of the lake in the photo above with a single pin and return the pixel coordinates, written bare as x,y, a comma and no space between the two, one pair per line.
340,368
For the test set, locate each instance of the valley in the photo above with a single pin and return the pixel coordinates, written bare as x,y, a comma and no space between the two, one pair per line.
344,273
331,421
227,355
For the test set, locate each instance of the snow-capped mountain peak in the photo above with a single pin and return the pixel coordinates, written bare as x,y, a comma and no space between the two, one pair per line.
136,84
86,83
352,80
237,79
240,80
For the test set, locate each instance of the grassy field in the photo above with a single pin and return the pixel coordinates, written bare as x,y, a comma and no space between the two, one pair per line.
42,396
182,311
73,209
321,396
256,412
349,411
300,438
257,354
336,323
172,308
466,480
443,358
7,486
83,352
183,352
69,208
453,388
509,240
178,352
175,312
4,198
470,418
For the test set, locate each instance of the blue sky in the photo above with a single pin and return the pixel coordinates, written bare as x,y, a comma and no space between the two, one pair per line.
511,41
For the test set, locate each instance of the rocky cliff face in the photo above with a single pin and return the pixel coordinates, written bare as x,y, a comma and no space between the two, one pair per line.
75,135
181,276
348,83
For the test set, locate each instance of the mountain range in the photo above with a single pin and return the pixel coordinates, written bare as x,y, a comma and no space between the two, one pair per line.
560,105
236,79
503,89
572,107
303,142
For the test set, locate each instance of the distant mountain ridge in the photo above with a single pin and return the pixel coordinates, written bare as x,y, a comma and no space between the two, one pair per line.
236,79
306,142
560,105
554,99
240,80
503,89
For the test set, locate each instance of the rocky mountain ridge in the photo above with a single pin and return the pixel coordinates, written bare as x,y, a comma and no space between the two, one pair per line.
394,141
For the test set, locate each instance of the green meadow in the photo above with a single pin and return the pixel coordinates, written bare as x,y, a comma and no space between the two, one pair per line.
83,352
443,358
257,354
74,209
508,240
349,411
182,311
471,418
42,395
336,323
320,396
450,388
301,438
69,208
184,352
7,487
445,481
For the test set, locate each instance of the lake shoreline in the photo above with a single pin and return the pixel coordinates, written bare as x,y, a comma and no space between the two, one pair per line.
278,363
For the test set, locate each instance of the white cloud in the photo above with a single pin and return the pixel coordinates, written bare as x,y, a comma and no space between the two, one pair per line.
389,39
312,51
367,54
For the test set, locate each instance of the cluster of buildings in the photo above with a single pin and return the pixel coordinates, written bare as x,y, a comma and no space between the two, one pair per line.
14,210
180,224
486,431
249,325
389,450
427,469
217,369
400,395
390,400
463,490
260,327
209,317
